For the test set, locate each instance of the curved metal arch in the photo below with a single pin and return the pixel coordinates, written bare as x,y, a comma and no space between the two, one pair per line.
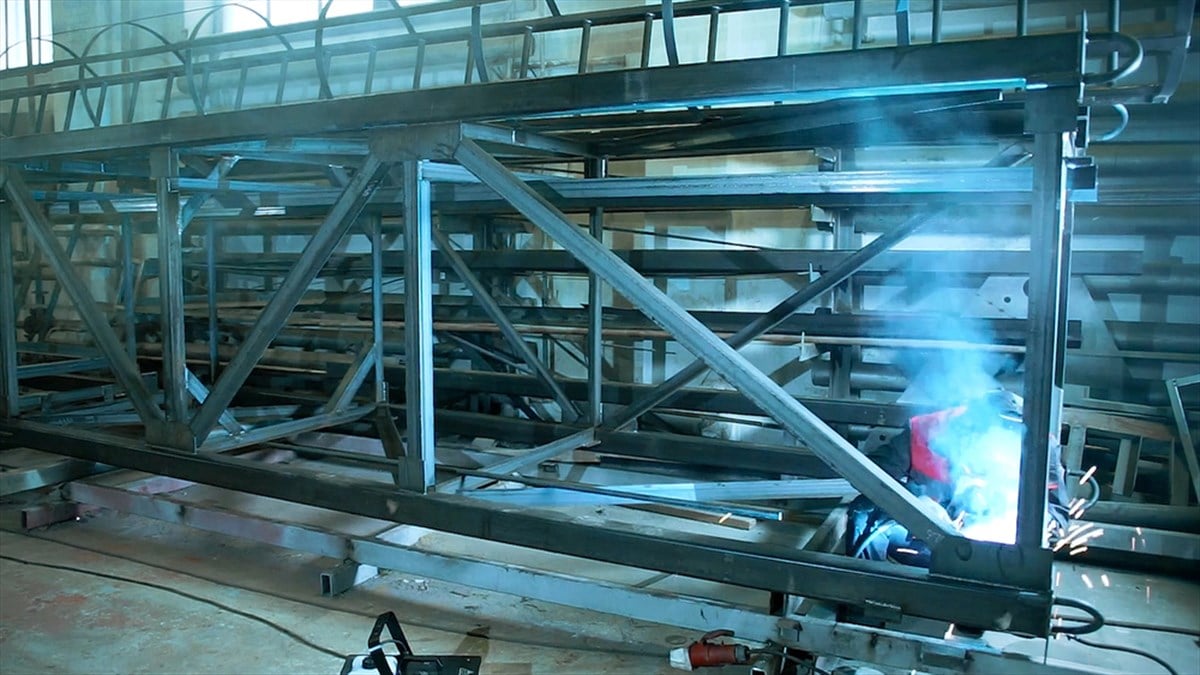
189,68
87,104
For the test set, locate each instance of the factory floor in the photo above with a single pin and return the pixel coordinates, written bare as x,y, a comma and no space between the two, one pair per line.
73,621
54,620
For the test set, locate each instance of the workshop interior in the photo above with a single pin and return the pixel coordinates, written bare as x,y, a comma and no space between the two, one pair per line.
444,337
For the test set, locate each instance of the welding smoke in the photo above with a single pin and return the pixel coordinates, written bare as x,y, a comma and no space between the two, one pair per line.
980,437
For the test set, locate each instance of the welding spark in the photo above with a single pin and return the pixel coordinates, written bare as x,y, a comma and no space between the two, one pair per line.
724,518
1138,530
1086,581
1057,578
1084,478
907,550
1104,580
1147,593
1077,551
949,632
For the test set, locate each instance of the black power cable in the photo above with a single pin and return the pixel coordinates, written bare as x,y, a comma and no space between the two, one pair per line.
183,594
1094,623
328,608
1122,648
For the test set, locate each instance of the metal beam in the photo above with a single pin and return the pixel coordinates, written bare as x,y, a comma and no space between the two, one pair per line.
165,166
9,392
318,250
755,565
1186,445
776,315
483,296
1044,346
595,168
843,457
365,362
200,392
420,460
39,229
900,651
580,439
974,65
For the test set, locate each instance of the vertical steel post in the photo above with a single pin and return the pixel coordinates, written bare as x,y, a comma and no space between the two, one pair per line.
374,224
596,168
418,329
170,286
8,321
210,283
128,289
1048,116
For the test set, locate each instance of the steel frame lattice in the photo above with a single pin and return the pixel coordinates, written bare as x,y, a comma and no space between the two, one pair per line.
448,152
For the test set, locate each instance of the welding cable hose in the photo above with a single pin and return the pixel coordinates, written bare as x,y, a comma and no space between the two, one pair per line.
1093,624
1095,487
1127,45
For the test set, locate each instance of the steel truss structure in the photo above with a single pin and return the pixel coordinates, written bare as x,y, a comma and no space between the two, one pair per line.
431,164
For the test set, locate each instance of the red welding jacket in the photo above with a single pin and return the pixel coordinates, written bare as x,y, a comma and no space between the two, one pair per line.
923,460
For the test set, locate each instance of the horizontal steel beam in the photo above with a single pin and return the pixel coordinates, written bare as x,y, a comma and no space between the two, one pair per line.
701,263
391,551
1039,61
825,576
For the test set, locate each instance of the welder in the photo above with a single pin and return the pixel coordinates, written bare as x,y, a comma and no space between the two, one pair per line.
964,459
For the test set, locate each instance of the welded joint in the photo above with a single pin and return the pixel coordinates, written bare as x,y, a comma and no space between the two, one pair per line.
1006,564
417,142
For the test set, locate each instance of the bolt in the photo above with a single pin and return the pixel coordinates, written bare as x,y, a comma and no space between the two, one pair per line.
963,549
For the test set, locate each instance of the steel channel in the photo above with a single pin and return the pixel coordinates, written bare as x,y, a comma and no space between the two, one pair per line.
9,392
1043,383
985,64
595,168
824,576
843,457
420,459
170,287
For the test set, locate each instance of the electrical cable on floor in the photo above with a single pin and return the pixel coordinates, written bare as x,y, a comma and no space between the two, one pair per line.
1122,648
183,594
309,603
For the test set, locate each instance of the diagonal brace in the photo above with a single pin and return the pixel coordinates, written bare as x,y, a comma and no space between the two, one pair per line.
348,386
666,391
122,365
343,214
200,392
496,314
834,450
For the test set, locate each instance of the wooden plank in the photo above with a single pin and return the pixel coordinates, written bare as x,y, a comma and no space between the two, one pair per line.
1117,424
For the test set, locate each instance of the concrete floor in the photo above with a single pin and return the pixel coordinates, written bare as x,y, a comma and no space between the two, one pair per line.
61,621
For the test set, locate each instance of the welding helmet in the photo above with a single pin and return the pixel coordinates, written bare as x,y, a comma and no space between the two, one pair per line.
1009,406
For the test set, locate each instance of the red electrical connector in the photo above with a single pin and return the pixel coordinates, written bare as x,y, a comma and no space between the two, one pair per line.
704,654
